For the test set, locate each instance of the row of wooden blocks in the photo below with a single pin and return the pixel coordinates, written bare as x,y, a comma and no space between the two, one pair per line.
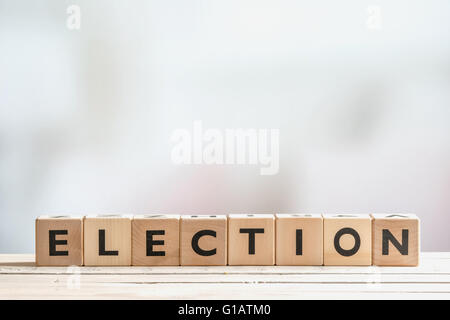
243,239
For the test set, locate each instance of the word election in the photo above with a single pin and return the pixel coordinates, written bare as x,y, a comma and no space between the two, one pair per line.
231,147
236,239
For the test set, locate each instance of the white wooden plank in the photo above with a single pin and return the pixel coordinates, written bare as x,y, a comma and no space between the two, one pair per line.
439,267
7,280
230,291
20,279
431,263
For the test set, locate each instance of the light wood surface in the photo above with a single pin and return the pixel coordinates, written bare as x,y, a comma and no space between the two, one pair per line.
287,252
354,243
396,224
117,240
246,248
164,243
21,279
67,245
212,244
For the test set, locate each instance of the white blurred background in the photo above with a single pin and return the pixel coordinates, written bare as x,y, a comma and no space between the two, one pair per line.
362,103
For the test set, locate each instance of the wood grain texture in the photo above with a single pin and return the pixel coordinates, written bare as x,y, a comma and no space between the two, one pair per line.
333,225
73,227
170,225
215,245
396,224
239,246
21,279
311,226
117,236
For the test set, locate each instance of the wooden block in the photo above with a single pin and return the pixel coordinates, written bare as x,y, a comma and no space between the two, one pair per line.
299,239
59,241
251,239
155,240
107,240
347,240
396,240
203,240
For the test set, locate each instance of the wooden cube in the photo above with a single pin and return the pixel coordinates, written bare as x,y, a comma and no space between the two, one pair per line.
155,240
299,239
203,240
107,240
347,240
396,240
251,239
59,241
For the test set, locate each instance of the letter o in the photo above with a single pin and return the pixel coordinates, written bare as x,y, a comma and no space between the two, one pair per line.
337,245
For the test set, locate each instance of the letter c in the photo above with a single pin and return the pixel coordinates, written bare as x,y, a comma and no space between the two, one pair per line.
196,238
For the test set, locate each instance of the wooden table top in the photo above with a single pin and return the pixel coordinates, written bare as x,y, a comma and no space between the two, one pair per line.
21,279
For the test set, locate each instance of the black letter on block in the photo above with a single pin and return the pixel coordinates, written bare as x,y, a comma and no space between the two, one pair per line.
337,246
53,243
251,238
299,238
101,245
151,243
402,248
196,238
